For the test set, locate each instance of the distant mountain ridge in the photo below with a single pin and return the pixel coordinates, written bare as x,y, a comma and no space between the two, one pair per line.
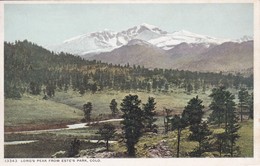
149,46
107,40
227,57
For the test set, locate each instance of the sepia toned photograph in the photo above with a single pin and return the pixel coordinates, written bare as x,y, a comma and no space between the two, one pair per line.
92,81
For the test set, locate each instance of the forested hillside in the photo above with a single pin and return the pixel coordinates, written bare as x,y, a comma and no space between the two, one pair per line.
33,69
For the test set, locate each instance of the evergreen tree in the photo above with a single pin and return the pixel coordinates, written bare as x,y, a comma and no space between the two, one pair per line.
251,106
149,119
201,134
227,141
243,97
189,88
81,90
166,120
74,148
217,105
50,89
148,87
107,132
196,85
132,122
229,109
35,88
87,108
94,88
204,88
221,142
232,131
113,107
178,123
193,111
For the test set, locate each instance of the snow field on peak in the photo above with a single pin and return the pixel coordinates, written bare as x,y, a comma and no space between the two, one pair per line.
107,40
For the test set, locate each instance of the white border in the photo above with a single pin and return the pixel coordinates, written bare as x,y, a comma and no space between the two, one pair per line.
255,161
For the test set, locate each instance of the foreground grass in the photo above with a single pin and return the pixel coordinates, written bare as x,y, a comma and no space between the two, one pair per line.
246,140
51,142
148,141
43,148
67,108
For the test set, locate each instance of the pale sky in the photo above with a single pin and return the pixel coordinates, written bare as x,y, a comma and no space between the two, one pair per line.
47,24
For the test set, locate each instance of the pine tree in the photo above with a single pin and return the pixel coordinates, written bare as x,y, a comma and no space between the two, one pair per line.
74,148
193,111
251,106
107,132
243,97
189,88
227,141
81,90
220,142
232,130
166,120
87,109
178,123
201,134
217,105
149,119
94,88
113,107
132,122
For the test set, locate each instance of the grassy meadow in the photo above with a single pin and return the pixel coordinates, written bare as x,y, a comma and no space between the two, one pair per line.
66,107
32,112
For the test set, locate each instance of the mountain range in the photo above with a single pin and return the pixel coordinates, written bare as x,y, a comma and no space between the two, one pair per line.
149,46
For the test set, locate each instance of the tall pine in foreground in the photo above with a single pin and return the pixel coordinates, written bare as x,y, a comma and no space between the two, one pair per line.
201,134
224,108
178,123
243,97
232,126
251,106
193,111
232,134
132,122
149,113
217,105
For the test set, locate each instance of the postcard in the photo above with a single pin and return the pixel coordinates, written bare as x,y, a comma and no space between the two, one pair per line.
130,82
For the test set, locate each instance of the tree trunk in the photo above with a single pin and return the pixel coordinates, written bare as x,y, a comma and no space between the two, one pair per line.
231,149
219,118
241,113
226,119
220,150
178,142
107,144
166,125
131,150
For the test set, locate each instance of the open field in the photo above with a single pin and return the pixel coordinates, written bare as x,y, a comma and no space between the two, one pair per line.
66,108
33,113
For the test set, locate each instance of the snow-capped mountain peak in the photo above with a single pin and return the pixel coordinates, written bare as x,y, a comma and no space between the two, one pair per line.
244,39
107,40
139,42
75,38
148,26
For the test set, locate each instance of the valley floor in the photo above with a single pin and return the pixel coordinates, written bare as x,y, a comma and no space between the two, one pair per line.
34,113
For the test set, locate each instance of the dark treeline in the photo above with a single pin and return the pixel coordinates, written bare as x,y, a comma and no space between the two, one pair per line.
31,68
